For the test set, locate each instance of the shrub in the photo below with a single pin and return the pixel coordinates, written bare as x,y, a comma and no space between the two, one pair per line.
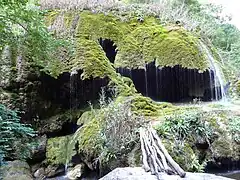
181,132
186,126
120,129
234,127
14,136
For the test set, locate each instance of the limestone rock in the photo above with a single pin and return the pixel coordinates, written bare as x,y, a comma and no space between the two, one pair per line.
38,153
76,172
137,173
40,173
54,170
16,170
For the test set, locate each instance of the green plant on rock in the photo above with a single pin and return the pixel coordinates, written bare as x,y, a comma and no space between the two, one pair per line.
138,42
14,136
181,132
234,128
187,125
147,107
57,151
109,135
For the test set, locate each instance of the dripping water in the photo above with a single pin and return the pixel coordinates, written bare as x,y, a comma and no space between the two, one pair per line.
146,80
156,81
218,81
71,105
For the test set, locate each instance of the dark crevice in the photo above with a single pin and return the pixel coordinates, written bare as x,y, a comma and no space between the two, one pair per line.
173,84
109,48
222,165
71,92
68,128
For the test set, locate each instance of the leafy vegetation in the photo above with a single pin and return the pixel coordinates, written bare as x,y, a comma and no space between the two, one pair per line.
22,28
234,127
181,132
109,134
14,136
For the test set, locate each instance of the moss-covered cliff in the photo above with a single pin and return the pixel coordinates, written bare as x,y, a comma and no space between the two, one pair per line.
138,41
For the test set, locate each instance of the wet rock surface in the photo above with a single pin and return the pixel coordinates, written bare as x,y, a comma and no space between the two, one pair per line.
137,173
38,152
76,172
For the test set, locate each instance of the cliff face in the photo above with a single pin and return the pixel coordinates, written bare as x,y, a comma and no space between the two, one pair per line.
134,54
127,41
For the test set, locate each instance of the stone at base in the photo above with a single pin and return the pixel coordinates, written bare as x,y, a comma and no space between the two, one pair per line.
76,172
137,173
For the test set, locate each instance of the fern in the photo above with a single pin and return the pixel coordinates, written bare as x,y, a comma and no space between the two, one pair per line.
14,136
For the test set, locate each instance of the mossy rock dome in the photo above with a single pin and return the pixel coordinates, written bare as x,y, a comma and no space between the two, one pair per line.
137,42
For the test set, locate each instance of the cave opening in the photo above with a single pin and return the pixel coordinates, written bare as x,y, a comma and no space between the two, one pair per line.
109,48
70,91
173,84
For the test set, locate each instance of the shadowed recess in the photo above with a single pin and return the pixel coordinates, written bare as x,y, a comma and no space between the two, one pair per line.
109,48
173,84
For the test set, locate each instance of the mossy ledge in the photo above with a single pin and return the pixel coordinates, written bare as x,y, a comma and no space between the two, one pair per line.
138,41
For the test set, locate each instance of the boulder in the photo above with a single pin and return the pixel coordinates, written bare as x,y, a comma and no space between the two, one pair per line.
38,152
138,173
16,170
76,172
40,173
54,170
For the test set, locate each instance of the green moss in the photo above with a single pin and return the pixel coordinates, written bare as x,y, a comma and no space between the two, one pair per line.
88,139
147,107
57,151
225,147
86,117
56,122
141,42
137,42
184,155
51,17
90,57
68,18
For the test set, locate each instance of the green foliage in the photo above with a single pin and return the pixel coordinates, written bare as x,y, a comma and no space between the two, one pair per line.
181,132
234,127
110,132
186,126
22,26
57,151
14,136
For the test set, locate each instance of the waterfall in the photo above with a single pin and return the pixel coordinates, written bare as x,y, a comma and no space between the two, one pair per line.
211,84
71,105
146,80
156,81
218,79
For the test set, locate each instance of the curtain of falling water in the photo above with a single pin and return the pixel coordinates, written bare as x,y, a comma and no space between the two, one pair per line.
72,99
146,80
211,84
71,86
218,81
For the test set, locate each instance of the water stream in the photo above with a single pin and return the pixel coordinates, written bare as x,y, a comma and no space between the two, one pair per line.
218,79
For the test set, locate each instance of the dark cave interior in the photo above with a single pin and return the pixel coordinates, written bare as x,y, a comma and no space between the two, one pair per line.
170,84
